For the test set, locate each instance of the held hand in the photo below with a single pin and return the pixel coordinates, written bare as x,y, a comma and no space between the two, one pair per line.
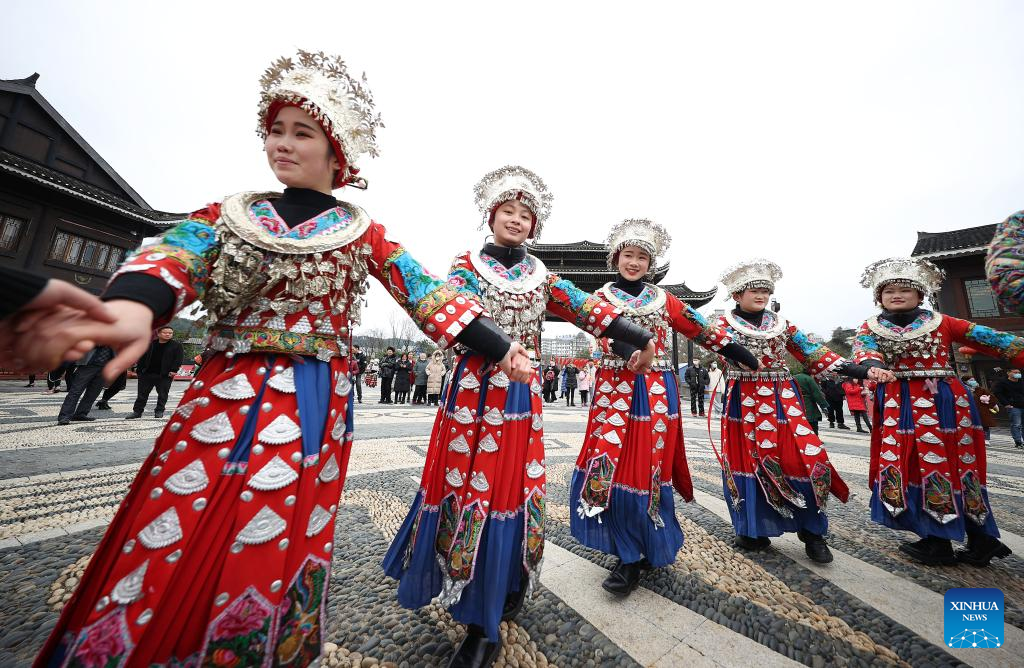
129,335
62,295
516,364
881,375
640,361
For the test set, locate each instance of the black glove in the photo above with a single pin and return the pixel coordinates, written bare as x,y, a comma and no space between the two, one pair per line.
622,329
485,337
740,355
859,370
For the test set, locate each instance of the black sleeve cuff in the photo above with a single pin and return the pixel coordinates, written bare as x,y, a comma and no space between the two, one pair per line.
623,329
485,337
741,355
623,349
858,370
144,289
20,287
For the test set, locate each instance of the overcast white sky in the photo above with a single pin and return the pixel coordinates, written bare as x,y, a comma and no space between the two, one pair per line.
821,135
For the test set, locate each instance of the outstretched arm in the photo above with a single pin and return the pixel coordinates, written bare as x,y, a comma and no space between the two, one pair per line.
598,317
441,311
1005,345
157,281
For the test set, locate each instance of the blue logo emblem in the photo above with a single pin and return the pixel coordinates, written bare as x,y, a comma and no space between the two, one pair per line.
973,618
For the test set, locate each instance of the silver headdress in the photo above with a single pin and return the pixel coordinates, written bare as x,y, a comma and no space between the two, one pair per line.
642,233
321,86
912,272
750,274
518,183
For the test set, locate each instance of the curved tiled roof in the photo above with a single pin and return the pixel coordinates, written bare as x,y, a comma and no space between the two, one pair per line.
953,243
51,178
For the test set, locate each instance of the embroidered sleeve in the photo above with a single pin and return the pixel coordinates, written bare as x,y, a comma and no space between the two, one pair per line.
463,277
586,311
990,341
815,356
437,308
181,257
865,347
694,326
1005,262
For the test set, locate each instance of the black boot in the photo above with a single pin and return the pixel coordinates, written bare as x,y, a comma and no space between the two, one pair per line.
103,406
475,651
931,551
748,543
843,426
982,549
815,547
623,579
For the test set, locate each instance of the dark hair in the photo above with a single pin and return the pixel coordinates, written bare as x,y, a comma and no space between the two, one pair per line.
356,345
165,327
391,348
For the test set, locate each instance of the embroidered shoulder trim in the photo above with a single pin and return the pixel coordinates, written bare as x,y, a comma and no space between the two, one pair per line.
526,284
234,214
744,328
656,304
927,327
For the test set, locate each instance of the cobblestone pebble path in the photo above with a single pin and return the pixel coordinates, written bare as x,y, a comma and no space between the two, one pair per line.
715,606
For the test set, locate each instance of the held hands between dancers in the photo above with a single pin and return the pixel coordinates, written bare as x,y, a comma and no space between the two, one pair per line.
57,306
45,336
65,334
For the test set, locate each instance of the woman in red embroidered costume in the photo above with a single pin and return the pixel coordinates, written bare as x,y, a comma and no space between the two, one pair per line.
221,552
633,453
927,469
475,533
775,469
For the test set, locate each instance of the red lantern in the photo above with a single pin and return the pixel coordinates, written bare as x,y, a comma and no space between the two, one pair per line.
967,351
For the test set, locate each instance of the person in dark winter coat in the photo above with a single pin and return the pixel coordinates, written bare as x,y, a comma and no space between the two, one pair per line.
403,379
357,371
813,398
835,395
551,375
156,369
571,372
85,386
1010,393
697,379
387,375
420,373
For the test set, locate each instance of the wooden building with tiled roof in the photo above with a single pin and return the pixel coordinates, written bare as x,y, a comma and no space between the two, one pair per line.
64,211
966,293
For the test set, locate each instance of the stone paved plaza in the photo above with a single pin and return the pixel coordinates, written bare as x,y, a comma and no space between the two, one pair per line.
715,606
